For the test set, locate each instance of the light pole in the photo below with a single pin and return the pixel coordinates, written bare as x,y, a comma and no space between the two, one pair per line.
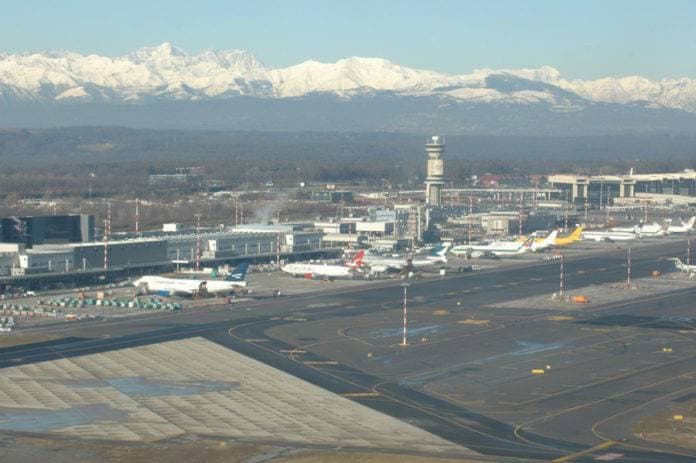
560,291
403,340
688,251
628,271
198,242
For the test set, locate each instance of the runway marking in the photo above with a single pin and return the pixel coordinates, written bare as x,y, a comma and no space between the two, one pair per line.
389,397
292,351
361,394
572,456
596,425
257,340
322,362
555,413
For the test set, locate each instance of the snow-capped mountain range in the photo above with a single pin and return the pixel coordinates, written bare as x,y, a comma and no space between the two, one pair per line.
167,73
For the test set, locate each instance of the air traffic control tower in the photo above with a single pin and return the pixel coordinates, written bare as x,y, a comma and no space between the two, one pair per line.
434,148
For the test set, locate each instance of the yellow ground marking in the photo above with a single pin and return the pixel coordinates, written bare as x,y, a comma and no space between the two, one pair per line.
473,321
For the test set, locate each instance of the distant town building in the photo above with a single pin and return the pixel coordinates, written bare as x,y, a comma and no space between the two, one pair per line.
332,196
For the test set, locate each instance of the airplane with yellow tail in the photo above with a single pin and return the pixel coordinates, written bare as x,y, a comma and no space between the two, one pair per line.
559,241
570,239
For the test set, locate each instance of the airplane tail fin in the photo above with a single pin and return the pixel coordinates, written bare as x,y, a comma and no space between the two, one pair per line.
551,239
358,259
440,250
527,245
692,221
239,273
575,236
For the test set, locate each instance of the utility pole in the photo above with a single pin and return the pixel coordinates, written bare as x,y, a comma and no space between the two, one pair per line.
137,215
106,244
108,217
471,217
688,251
587,199
198,242
278,239
403,340
519,213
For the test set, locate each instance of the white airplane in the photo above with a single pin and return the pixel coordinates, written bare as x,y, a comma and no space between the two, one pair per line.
685,227
384,264
327,271
690,269
496,249
653,230
607,235
189,287
633,229
546,243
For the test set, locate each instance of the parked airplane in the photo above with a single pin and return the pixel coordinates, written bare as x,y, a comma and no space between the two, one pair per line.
685,227
570,239
188,287
608,235
631,229
537,238
690,269
496,249
384,264
326,271
546,243
652,230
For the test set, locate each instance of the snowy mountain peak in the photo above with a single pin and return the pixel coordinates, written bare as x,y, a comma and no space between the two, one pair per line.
165,71
162,51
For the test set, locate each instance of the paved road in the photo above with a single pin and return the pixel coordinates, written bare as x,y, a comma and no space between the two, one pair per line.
469,384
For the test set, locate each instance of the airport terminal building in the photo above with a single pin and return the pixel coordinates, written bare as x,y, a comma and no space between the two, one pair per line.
604,189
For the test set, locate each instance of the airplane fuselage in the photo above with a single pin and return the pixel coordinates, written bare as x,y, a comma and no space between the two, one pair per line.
186,286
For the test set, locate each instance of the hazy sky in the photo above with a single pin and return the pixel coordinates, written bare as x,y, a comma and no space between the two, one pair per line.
584,39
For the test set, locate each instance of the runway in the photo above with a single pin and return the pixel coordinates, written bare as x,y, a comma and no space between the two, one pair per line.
465,375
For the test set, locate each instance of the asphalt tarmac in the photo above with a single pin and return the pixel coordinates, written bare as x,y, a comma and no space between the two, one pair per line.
465,374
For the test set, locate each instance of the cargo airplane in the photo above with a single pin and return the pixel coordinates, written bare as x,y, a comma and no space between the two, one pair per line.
570,239
326,271
189,287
